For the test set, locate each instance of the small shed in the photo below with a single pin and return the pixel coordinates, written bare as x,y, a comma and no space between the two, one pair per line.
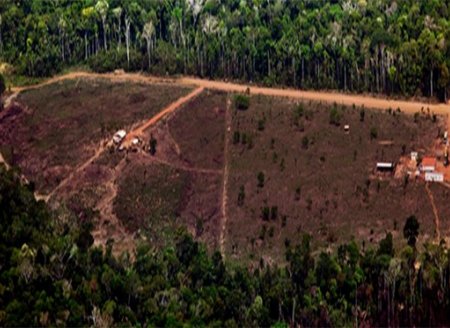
434,177
385,166
347,128
428,164
119,135
414,156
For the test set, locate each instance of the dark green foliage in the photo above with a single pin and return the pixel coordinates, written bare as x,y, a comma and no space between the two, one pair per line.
386,246
2,84
241,102
335,115
107,61
358,46
52,275
411,230
362,114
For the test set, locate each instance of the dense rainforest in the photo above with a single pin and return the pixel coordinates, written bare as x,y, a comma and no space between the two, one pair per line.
381,46
52,275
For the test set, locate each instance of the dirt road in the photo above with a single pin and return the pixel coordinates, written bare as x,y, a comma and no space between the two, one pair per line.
435,212
331,97
103,145
346,99
169,109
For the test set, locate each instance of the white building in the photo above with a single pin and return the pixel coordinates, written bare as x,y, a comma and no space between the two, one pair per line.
385,166
434,176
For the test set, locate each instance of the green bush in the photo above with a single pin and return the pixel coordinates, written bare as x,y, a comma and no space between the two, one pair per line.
241,102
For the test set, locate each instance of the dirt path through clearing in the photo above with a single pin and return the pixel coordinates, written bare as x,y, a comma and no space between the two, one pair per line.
98,151
184,167
169,109
437,222
341,98
2,161
109,225
225,179
331,97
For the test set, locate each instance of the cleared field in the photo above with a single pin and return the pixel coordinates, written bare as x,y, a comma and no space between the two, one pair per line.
56,127
317,179
292,169
180,185
199,130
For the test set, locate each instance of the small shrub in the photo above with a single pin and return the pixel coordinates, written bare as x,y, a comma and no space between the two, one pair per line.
241,102
362,114
236,137
335,116
263,231
305,142
274,157
271,232
265,213
298,191
274,212
250,143
309,204
373,133
261,124
244,138
241,196
272,143
153,143
260,178
283,221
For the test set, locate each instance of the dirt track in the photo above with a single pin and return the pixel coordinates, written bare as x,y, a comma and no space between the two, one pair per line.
346,99
172,107
224,204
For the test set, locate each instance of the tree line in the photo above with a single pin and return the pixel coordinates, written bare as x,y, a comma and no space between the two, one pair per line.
52,275
389,47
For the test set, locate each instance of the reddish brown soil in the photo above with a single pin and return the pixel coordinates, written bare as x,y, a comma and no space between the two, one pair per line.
340,195
59,126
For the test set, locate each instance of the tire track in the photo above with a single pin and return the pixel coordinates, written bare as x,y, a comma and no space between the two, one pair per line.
224,204
437,221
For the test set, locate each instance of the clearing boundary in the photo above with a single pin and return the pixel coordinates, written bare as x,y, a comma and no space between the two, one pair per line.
331,97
